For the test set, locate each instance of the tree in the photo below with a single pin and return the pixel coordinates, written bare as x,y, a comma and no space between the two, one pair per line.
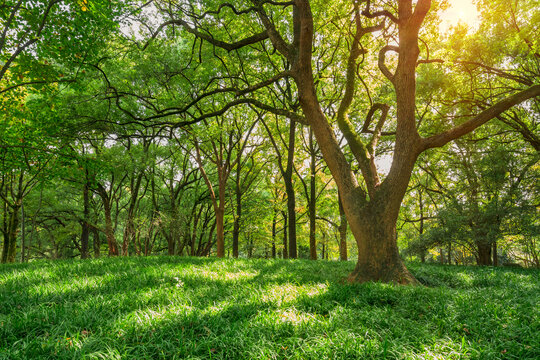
372,207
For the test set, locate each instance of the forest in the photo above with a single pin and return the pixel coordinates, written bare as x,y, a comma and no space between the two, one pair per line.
366,130
255,179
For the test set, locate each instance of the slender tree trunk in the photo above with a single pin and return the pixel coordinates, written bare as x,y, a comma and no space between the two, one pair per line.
220,232
23,233
274,224
109,230
85,230
342,231
12,235
312,201
97,243
291,196
238,215
129,231
450,253
285,251
495,255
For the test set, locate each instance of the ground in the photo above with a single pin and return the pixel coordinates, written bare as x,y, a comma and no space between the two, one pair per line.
193,308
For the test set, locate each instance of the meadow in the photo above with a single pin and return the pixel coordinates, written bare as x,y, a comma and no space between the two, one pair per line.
204,308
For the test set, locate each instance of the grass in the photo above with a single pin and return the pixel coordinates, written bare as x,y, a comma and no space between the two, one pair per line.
193,308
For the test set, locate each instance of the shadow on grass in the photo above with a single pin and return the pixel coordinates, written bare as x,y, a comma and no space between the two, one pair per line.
186,308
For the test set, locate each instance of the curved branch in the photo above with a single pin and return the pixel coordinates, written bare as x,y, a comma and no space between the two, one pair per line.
218,43
367,13
382,57
480,119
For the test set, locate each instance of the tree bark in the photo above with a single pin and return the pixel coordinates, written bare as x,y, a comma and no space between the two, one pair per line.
342,231
285,249
495,255
109,230
312,200
238,215
291,196
10,239
85,227
484,253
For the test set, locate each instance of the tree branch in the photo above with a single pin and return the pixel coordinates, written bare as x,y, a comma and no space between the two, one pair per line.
480,119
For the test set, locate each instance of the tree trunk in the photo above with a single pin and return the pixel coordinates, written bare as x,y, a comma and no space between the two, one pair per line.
495,255
238,215
274,224
97,243
285,251
220,233
312,200
378,255
109,230
85,230
23,233
291,196
129,231
484,253
10,239
342,232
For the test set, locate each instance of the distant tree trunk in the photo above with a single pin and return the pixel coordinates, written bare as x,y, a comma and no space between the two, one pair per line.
285,251
109,230
495,255
85,230
238,215
97,243
129,231
312,200
484,253
23,234
10,239
342,231
450,253
274,224
291,197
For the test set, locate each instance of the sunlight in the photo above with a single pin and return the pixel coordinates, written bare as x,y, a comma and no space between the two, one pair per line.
459,12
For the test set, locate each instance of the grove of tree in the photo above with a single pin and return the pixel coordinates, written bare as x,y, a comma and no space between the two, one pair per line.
259,128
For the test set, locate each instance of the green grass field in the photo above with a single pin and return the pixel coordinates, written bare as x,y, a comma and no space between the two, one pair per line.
193,308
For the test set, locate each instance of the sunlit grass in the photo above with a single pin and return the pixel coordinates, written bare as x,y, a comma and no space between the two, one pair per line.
192,308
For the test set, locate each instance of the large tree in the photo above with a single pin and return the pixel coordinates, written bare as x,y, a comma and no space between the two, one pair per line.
298,31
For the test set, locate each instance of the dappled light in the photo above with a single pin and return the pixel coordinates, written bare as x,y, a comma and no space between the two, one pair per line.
460,312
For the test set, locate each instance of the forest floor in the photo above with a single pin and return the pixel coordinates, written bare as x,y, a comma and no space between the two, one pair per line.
193,308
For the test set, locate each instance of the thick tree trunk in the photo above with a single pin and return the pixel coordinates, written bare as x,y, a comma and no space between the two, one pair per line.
484,253
342,232
378,255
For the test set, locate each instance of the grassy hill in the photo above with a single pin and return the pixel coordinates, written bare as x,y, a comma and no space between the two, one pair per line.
193,308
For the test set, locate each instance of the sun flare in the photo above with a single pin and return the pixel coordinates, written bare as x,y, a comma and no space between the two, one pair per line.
460,11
